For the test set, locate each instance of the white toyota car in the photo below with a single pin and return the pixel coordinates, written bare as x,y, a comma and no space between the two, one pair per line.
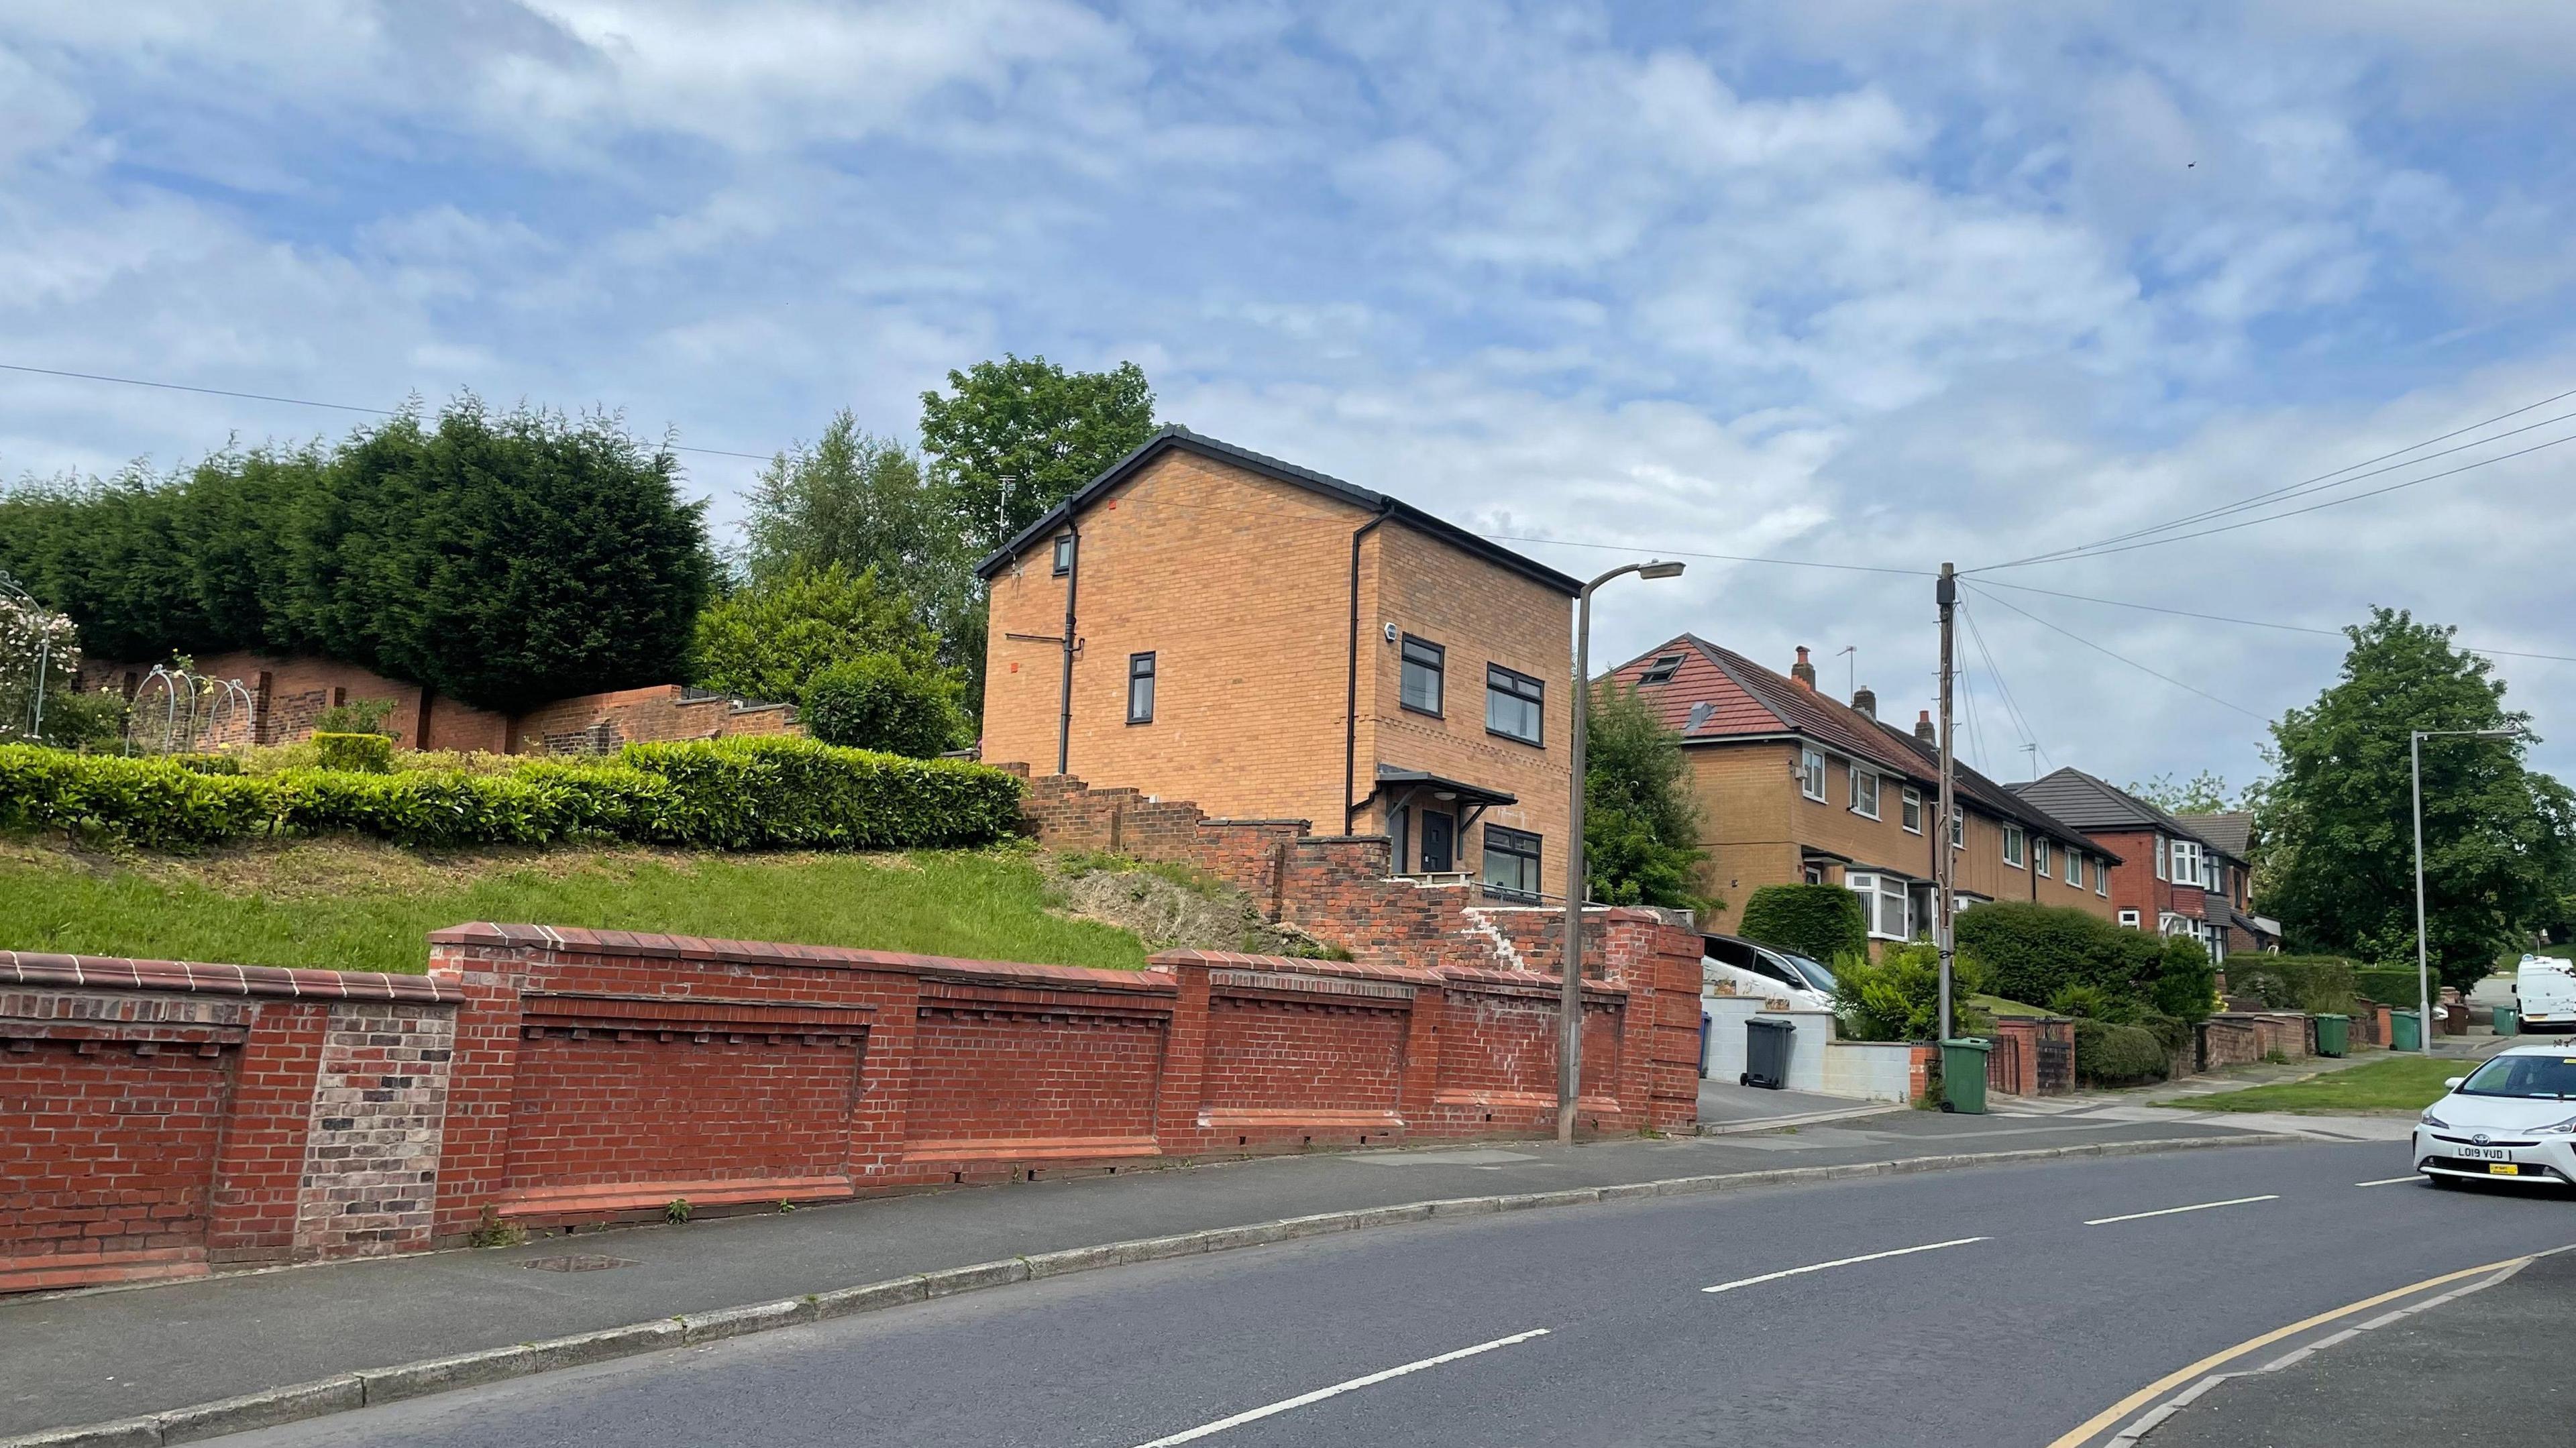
2513,1119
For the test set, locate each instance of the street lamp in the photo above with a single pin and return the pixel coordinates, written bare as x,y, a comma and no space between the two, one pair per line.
1569,1049
2423,952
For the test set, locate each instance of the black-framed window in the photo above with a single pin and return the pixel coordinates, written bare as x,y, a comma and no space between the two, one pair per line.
1515,705
1425,665
1511,862
1063,554
1140,688
1661,671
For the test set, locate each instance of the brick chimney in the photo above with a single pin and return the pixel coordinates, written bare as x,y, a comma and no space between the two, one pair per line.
1802,671
1865,699
1923,728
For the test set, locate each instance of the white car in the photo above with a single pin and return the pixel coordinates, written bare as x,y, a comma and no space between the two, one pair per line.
1764,972
2513,1119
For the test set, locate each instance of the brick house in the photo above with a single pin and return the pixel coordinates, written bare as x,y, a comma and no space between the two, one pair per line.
2231,834
2174,880
1204,623
1796,786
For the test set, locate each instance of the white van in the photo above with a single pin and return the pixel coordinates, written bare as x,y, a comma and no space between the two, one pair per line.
2544,992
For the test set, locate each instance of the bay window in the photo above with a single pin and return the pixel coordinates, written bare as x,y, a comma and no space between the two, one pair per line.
1885,901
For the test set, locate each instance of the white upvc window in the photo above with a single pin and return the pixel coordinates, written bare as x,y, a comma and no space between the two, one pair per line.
2186,862
2039,857
2160,858
2129,918
1864,792
1886,901
1811,775
1958,828
2075,867
1913,806
2102,878
2014,844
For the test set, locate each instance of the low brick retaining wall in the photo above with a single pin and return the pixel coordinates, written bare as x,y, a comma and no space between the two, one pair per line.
161,1119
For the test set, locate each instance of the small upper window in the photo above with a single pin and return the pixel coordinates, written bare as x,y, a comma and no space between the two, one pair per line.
1958,829
2075,868
1811,775
2185,856
2129,918
1864,792
1661,671
2101,877
1424,665
2039,859
1140,688
1063,554
2013,844
1515,704
2160,857
1913,811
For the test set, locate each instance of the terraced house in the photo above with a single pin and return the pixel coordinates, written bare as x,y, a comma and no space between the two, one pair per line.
2176,879
1797,786
1204,623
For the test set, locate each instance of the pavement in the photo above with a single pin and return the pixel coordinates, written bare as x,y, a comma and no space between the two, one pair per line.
1726,1108
113,1353
2006,1306
2496,1365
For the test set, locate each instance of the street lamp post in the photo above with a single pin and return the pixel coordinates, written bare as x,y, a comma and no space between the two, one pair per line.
2423,951
1569,1035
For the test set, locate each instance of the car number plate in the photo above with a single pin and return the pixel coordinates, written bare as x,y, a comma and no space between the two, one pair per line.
2486,1153
2503,1168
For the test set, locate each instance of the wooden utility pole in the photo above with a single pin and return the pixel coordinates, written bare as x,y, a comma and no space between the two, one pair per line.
1946,592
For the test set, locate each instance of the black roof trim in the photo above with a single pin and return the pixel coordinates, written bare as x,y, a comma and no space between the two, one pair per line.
1177,436
1471,793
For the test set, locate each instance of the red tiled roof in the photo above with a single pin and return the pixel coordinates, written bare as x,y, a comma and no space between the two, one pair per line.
1743,699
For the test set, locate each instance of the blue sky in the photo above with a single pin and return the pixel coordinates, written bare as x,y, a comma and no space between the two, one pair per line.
1866,283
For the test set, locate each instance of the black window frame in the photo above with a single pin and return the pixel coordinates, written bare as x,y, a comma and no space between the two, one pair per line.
1536,696
1148,674
1439,668
1063,555
1661,671
1525,846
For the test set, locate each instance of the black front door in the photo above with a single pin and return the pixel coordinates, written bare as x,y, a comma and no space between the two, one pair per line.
1439,842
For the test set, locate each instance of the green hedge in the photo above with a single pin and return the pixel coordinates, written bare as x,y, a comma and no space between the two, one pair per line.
734,794
358,753
2032,952
2390,985
2110,1055
2299,982
1821,922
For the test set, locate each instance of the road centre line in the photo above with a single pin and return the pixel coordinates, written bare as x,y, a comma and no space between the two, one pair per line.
1840,1262
2170,1211
1254,1415
2392,1181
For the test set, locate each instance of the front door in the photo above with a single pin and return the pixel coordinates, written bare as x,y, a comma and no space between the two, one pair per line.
1439,842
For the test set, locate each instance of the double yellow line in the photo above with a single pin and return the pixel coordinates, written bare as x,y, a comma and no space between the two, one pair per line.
2119,1411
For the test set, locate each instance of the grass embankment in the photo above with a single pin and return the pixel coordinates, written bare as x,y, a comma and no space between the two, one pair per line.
2406,1083
1995,1005
348,904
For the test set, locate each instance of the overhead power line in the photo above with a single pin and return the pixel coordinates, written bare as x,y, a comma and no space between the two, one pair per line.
2123,658
2247,622
2322,482
298,402
1658,550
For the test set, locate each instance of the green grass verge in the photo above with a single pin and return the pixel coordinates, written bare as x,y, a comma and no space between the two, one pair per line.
356,905
1995,1005
2405,1083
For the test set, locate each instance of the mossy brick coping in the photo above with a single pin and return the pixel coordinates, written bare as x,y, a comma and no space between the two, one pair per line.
108,972
570,940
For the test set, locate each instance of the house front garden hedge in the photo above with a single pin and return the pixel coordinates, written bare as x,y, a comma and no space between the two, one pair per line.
733,794
1821,922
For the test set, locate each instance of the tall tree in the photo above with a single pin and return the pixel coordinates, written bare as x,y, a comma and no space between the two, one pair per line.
2499,839
770,640
2205,794
1641,823
1013,438
865,503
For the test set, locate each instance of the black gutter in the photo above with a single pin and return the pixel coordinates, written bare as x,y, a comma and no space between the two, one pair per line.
1064,722
1351,695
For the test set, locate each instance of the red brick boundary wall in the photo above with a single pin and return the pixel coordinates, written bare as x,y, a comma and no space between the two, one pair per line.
161,1117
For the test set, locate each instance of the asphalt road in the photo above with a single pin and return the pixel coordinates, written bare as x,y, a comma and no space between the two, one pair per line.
1594,1324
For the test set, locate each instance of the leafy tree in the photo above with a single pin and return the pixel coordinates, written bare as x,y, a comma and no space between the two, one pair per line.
864,502
2499,839
2205,794
1013,438
770,640
877,701
1641,823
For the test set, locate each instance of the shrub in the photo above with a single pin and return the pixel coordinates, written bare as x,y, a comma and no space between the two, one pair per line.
2300,982
358,716
2186,983
357,753
2091,1002
723,794
2031,952
880,702
772,640
2116,1055
2390,985
1820,922
1898,997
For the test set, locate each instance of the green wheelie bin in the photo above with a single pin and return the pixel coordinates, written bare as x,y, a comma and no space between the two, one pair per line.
1963,1074
2334,1035
2406,1030
2508,1021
